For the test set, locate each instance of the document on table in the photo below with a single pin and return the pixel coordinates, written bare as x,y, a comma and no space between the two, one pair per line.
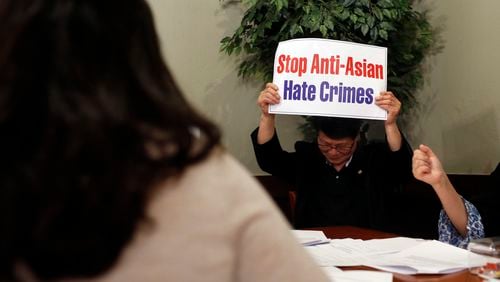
352,252
399,255
374,246
327,255
339,275
429,257
310,237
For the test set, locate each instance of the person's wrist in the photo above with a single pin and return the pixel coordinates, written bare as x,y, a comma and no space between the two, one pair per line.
390,125
267,116
443,182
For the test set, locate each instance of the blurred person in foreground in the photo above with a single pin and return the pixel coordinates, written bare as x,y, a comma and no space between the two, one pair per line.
107,173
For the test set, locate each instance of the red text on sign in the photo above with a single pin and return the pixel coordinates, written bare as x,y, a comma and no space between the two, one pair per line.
292,64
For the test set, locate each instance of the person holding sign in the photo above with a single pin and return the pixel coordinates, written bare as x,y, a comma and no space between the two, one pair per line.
459,221
339,181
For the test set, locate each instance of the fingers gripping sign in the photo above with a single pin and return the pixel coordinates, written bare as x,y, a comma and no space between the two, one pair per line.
388,101
268,96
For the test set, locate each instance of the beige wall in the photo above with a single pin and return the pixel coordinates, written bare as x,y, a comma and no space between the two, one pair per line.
459,118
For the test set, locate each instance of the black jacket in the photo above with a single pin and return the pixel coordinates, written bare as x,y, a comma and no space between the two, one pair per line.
359,195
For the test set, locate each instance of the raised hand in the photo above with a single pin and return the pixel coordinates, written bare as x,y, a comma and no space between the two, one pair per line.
427,167
268,96
387,101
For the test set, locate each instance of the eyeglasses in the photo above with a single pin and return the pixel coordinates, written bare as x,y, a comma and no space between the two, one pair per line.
341,148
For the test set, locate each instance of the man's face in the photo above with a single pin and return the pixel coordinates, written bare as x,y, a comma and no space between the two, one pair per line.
336,151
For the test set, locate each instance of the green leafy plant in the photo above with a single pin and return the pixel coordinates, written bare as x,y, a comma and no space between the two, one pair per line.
394,24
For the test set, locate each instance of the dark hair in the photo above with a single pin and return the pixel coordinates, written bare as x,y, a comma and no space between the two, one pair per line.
91,121
336,127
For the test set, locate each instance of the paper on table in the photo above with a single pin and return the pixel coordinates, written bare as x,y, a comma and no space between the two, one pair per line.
337,275
310,237
429,257
399,255
351,252
374,246
326,255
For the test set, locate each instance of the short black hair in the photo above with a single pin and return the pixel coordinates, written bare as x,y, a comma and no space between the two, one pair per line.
337,127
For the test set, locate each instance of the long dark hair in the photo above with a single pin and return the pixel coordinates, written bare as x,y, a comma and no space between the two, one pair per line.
90,120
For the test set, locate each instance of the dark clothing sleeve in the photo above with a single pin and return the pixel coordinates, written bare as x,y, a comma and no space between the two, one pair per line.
402,159
273,159
388,172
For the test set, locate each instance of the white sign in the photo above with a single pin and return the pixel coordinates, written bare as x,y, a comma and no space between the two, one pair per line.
321,77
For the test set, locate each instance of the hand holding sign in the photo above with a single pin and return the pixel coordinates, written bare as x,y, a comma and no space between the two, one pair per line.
387,101
268,96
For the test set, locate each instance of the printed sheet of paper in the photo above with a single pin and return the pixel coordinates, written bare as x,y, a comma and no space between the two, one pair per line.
321,77
429,257
310,237
339,275
398,255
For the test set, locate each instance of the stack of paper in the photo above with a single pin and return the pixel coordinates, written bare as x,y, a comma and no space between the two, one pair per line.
429,257
310,237
338,275
398,255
